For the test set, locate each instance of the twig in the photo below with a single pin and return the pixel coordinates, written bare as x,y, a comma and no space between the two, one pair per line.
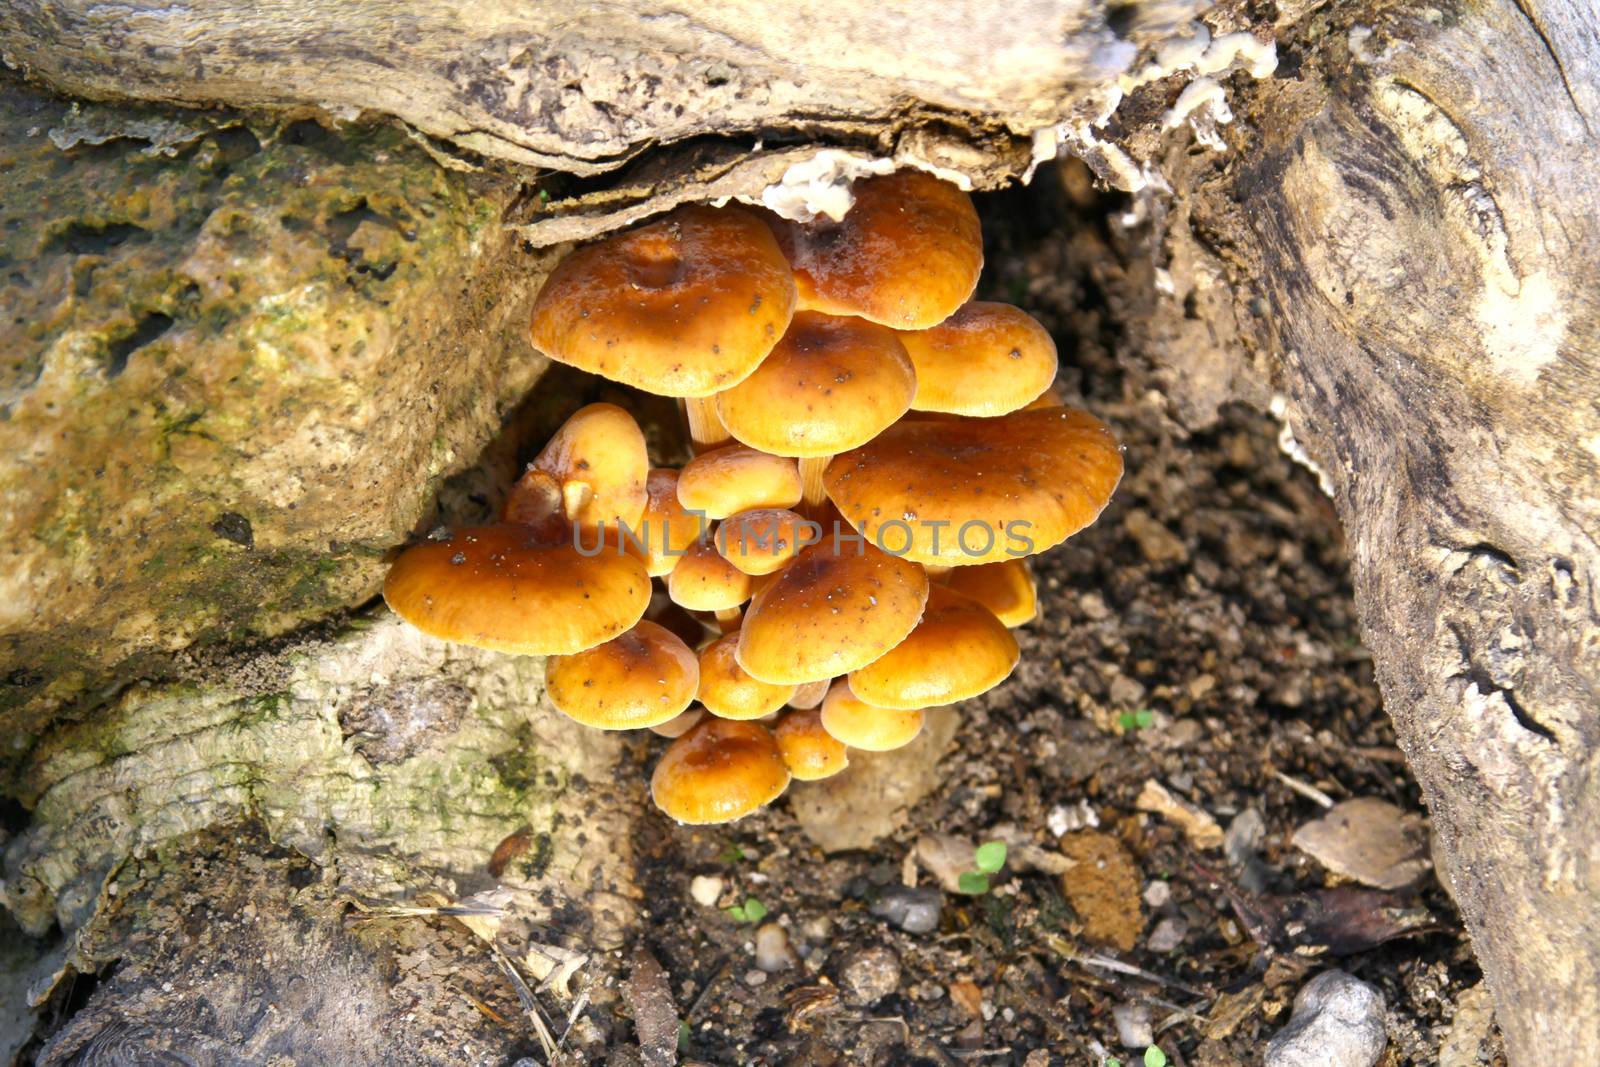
572,1016
716,976
1310,792
1109,964
530,1003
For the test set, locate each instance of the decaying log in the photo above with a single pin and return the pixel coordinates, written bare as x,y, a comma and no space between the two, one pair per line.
1412,202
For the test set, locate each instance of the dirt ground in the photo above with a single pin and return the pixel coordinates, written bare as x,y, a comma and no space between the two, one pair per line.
1201,635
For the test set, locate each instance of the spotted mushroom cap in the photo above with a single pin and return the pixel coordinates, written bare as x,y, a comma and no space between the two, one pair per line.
686,306
727,690
958,650
735,478
598,459
765,539
514,589
643,678
704,581
837,606
985,360
831,384
1005,588
810,752
906,255
985,489
719,771
860,725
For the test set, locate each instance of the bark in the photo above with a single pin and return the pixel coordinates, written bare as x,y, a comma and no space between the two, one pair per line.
1413,197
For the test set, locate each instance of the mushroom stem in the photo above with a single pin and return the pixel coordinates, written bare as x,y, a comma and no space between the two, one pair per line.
705,425
728,619
812,494
936,572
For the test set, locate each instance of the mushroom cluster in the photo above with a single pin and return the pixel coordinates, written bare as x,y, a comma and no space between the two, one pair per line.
876,456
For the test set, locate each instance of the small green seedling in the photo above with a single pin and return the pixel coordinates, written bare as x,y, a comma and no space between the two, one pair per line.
751,911
731,853
989,858
1112,1061
1137,720
1154,1057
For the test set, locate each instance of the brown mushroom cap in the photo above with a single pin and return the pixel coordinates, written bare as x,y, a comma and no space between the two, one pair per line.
958,650
985,489
675,728
704,581
860,725
985,360
810,752
906,255
734,478
727,690
598,458
667,530
644,678
831,384
761,541
719,771
1005,588
831,610
511,589
685,306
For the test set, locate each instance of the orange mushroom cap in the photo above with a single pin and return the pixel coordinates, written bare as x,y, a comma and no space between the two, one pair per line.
1005,588
704,581
860,725
719,771
831,610
810,752
958,650
734,478
644,678
906,255
727,689
960,492
685,306
831,384
985,360
599,460
514,589
761,541
667,530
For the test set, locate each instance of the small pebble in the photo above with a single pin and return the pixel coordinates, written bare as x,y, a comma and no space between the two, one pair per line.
1133,1025
772,948
1337,1022
1062,819
1157,893
1168,935
706,890
756,977
916,911
869,975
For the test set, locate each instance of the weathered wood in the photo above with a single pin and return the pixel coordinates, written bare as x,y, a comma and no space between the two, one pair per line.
1428,242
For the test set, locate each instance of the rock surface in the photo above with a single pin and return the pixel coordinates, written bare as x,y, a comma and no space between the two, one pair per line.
236,362
1337,1022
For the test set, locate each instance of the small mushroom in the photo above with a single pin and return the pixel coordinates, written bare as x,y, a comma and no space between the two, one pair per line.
810,752
837,606
985,360
518,589
906,255
735,478
686,306
957,651
832,384
763,540
704,581
860,725
675,728
1005,588
598,459
644,678
719,771
960,492
728,690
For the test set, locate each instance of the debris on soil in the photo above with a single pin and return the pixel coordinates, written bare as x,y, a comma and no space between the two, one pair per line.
1338,1021
1103,888
1369,841
1200,827
648,995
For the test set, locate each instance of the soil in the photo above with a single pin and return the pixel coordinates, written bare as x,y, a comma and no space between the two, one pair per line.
1202,634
